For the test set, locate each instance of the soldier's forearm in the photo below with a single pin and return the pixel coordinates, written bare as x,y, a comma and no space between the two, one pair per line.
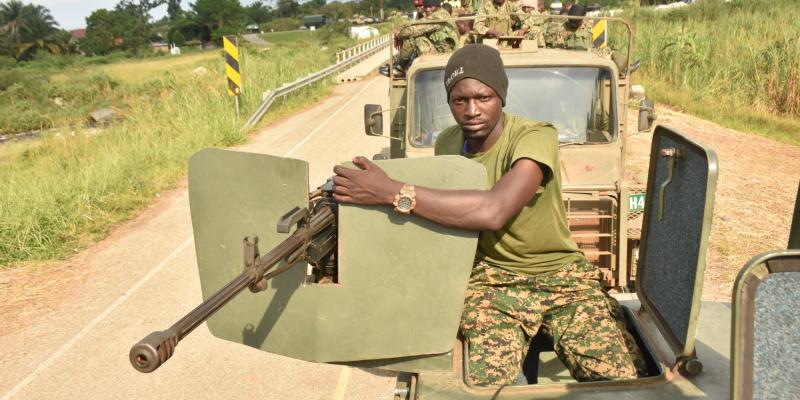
480,27
415,30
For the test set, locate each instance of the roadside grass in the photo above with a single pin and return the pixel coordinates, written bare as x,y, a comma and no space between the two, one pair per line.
736,63
66,191
51,92
139,71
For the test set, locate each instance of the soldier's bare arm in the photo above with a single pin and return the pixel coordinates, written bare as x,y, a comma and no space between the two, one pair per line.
467,209
412,31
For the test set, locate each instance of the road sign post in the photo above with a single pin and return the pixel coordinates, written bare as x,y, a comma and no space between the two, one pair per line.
231,46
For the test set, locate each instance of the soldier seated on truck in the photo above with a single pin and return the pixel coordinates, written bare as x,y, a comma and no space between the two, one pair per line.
496,18
532,24
420,39
528,272
464,25
570,34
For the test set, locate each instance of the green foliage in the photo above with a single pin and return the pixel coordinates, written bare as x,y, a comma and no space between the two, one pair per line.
287,8
735,62
100,37
190,29
331,32
67,190
174,11
8,77
336,10
177,38
220,17
7,62
258,13
27,28
281,24
123,28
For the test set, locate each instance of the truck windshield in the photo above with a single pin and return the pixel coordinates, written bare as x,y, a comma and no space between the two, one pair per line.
578,101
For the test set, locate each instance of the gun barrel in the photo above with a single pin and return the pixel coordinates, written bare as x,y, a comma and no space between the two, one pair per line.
156,348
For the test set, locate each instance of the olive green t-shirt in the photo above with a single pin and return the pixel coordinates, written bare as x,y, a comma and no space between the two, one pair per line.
537,240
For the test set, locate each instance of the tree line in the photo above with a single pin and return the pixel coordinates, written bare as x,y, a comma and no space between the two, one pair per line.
26,29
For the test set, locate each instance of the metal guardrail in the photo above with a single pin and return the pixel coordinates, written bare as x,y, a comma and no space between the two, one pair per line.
344,59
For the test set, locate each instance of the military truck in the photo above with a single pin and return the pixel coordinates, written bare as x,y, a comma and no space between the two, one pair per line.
368,287
585,95
316,21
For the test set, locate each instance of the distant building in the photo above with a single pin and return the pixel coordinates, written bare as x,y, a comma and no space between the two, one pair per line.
77,34
160,47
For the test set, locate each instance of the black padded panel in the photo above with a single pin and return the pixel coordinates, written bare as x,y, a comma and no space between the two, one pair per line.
673,255
776,345
794,231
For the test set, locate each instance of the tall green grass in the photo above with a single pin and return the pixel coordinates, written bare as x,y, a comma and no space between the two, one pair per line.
66,191
737,63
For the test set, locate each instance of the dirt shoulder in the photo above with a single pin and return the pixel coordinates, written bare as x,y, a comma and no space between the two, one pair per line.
756,190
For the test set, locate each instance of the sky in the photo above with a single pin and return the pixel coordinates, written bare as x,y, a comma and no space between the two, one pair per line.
71,14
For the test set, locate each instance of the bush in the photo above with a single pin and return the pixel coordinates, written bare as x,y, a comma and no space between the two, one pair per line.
9,77
281,24
71,188
7,62
177,38
103,82
330,32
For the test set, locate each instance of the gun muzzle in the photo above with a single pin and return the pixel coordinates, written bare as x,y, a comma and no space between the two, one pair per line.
154,350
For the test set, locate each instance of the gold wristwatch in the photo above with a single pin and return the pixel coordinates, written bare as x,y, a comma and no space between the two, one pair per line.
405,201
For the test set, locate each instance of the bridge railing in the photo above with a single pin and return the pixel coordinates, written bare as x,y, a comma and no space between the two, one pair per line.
344,59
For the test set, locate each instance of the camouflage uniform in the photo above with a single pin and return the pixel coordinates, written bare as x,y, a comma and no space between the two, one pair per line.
465,39
534,23
558,36
422,39
502,19
504,310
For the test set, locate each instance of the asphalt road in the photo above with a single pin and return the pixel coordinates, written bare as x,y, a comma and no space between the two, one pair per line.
143,278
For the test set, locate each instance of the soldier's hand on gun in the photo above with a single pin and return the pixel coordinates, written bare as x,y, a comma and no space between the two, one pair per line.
368,185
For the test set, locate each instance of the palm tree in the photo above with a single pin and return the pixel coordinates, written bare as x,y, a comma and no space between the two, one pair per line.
39,32
12,17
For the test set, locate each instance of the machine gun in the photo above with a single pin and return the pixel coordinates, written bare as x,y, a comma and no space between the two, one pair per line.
314,241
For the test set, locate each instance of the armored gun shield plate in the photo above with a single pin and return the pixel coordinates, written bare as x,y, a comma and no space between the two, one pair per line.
401,279
677,219
765,347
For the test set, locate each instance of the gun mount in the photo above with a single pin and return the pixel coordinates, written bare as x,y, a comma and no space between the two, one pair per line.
314,241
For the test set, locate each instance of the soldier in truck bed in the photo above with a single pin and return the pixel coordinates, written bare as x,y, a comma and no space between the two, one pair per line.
497,18
533,24
570,34
415,40
528,272
423,39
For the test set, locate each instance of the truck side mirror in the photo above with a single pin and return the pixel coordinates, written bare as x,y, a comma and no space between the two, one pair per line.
647,114
373,120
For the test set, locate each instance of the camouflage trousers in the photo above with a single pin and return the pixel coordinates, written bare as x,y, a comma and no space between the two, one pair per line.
504,310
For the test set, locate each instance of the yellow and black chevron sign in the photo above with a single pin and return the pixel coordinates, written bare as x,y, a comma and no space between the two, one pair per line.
232,65
599,34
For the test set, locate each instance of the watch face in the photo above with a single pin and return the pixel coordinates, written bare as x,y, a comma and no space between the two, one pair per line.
404,203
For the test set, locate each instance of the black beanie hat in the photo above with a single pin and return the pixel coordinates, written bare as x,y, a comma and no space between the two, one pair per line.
477,61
